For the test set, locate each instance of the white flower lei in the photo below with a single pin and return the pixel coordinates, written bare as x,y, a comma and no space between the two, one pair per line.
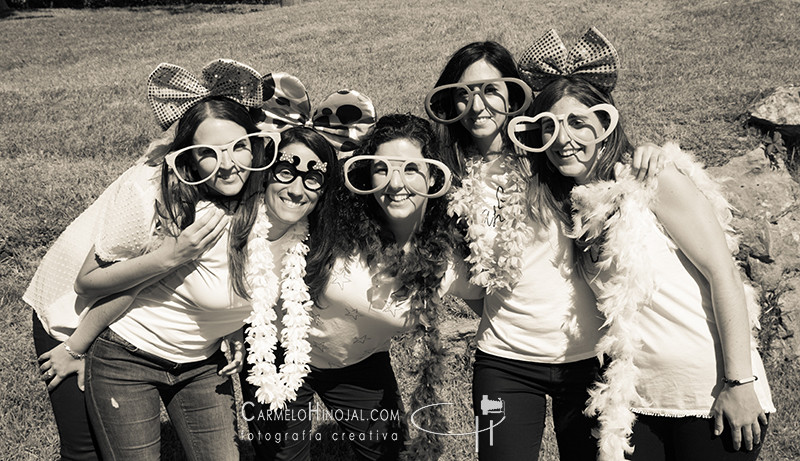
277,388
500,267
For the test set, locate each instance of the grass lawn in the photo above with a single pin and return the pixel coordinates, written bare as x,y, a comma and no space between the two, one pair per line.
73,115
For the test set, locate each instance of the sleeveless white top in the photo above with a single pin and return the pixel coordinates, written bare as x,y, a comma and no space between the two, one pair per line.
550,315
680,359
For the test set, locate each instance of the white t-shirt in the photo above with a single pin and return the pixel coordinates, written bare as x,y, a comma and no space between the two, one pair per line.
183,316
356,316
550,316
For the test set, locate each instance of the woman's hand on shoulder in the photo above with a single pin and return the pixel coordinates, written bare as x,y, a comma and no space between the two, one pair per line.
195,239
740,406
648,161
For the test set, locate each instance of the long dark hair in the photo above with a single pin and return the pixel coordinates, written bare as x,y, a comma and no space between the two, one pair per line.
548,188
239,233
179,201
355,226
455,137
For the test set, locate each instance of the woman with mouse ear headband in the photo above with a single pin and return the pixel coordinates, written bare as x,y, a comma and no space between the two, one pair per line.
658,256
157,243
342,119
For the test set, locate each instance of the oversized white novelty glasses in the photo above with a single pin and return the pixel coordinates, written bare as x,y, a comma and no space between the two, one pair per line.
366,174
577,124
450,103
209,157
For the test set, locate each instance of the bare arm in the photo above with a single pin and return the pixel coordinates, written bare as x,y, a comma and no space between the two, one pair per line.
462,288
57,363
97,280
690,220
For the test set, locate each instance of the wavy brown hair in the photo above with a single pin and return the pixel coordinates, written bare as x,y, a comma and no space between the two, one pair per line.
549,189
240,232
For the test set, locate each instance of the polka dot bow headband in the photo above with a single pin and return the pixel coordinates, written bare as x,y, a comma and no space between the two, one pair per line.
343,118
171,90
592,58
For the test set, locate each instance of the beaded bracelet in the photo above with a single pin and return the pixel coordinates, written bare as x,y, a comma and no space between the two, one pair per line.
72,353
739,382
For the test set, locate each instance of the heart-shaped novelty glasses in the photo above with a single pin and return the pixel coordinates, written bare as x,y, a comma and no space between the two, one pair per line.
584,126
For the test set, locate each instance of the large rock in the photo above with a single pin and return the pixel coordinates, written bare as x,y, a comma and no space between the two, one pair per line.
767,217
779,109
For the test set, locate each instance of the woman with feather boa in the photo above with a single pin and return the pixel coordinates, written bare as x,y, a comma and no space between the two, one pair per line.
685,381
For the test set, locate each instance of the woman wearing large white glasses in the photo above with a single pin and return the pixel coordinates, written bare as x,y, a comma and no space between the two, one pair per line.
539,322
685,380
163,241
379,263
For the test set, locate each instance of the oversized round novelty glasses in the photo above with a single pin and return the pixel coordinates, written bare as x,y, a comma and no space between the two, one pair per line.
286,172
210,157
366,174
444,99
577,124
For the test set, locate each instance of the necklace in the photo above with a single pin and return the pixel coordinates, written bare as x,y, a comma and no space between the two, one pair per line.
495,260
277,387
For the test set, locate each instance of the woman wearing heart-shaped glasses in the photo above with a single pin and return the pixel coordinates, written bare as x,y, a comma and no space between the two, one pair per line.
538,315
658,257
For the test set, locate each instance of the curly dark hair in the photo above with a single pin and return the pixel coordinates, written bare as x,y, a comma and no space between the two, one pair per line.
355,225
352,224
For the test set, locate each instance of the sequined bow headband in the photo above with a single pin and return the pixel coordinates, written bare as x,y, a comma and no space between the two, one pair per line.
171,90
343,118
593,58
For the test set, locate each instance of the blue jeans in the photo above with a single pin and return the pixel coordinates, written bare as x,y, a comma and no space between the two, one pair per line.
124,386
523,386
69,409
364,394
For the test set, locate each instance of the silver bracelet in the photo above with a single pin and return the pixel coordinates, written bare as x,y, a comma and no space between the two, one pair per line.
72,353
739,382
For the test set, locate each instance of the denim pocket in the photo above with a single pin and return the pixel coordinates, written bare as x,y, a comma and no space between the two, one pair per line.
112,337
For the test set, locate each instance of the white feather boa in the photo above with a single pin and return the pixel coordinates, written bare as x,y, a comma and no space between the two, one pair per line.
617,214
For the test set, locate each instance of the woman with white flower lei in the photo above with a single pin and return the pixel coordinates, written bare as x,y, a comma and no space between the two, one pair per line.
538,316
378,266
658,256
276,334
